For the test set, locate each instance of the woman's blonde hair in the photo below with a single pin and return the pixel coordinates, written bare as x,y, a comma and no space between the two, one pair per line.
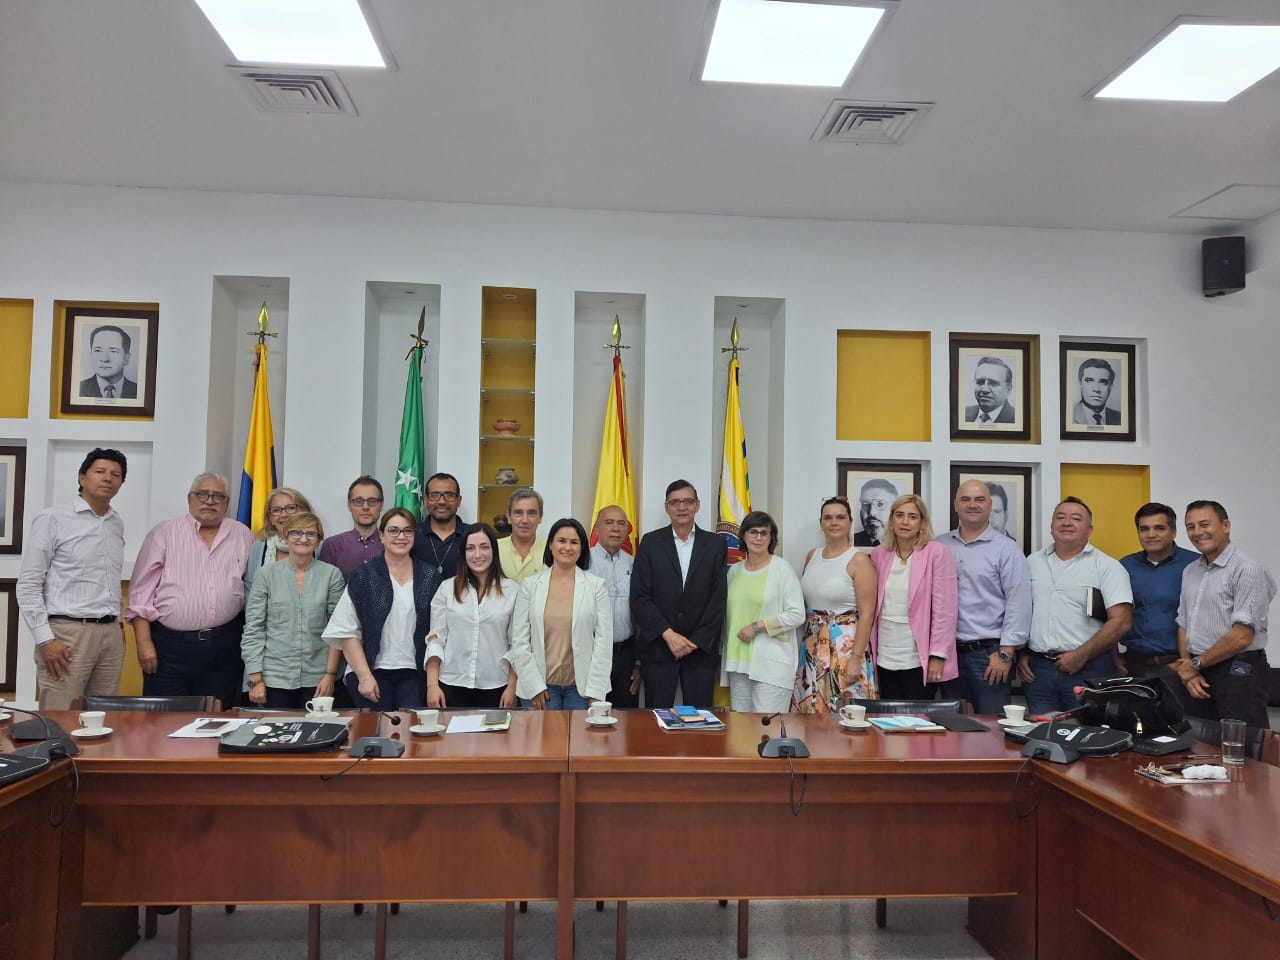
890,539
304,506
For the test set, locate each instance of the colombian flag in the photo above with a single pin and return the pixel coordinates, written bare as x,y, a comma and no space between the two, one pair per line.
615,486
259,477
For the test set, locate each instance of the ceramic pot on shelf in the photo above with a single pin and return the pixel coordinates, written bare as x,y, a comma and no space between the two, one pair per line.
506,426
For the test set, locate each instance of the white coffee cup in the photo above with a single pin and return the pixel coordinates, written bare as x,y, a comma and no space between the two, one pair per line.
428,718
320,705
853,713
599,710
1015,712
93,720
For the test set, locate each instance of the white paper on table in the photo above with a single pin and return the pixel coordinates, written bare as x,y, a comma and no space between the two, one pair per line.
210,727
474,723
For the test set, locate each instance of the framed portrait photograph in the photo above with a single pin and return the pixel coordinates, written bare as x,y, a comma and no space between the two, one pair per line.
13,475
9,636
992,381
871,486
1011,495
1099,395
109,361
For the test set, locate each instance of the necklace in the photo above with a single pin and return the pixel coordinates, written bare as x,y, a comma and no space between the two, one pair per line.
435,554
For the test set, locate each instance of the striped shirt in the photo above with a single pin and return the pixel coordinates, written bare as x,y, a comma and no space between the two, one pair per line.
71,566
186,584
1215,596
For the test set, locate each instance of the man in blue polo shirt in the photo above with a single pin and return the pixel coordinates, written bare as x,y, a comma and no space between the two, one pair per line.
1155,573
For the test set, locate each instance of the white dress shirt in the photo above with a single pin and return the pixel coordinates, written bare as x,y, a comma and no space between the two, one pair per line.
472,639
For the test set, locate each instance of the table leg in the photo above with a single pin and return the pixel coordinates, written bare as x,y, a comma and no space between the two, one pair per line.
509,930
744,916
620,949
380,932
313,931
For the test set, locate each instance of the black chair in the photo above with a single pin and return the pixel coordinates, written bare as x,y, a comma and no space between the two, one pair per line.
905,706
1210,731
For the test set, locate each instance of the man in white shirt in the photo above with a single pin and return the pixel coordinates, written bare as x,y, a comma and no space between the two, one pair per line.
611,563
1081,605
69,587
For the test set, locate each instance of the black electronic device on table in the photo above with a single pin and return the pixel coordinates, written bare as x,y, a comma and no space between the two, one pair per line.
16,767
284,736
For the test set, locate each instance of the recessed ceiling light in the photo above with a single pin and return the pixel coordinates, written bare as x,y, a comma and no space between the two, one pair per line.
1200,62
789,41
317,32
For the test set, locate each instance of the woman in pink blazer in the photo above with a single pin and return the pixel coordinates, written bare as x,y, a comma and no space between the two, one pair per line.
913,637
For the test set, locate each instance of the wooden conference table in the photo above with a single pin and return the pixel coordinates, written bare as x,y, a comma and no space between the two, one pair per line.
1084,858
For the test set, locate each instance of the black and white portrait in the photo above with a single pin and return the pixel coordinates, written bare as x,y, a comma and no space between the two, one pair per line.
8,637
13,462
871,488
1097,391
991,388
1010,491
109,361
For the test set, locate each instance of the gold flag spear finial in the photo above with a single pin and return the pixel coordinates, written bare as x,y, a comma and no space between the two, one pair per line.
617,346
261,333
417,337
733,347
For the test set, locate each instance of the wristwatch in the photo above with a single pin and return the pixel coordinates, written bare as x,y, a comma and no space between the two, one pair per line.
1195,664
1004,657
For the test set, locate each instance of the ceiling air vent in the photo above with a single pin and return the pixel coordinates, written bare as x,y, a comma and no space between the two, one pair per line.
277,90
867,121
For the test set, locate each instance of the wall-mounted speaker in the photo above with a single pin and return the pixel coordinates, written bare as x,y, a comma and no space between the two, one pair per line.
1221,265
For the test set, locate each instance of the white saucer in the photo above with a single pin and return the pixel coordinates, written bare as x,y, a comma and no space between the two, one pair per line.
606,722
92,734
5,716
425,731
855,724
1006,722
331,715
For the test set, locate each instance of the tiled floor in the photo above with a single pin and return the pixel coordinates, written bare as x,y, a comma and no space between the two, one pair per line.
808,929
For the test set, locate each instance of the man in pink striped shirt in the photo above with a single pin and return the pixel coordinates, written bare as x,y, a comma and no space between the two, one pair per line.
186,599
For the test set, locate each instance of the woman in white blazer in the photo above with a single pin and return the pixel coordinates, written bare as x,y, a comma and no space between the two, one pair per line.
763,616
562,627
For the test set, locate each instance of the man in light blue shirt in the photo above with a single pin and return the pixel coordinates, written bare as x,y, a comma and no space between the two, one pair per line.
613,564
994,591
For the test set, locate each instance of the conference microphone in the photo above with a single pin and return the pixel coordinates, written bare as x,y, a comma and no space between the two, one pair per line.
54,740
783,746
379,746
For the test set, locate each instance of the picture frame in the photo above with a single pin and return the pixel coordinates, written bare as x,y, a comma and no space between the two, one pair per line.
9,636
1099,383
993,386
105,350
13,485
1011,498
871,518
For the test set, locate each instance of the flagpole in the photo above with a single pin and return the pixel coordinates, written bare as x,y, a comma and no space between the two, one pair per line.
615,484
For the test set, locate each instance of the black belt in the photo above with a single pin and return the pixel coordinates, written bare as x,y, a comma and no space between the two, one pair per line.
109,618
1149,659
963,646
208,633
1049,654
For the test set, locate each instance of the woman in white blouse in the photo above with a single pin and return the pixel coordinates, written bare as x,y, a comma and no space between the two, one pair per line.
471,630
562,628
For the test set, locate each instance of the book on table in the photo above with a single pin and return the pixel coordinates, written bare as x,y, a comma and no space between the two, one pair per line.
906,723
679,718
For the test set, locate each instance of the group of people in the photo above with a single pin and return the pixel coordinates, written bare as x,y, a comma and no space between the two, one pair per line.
401,611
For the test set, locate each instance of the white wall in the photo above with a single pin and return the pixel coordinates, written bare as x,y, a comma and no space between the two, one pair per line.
1211,363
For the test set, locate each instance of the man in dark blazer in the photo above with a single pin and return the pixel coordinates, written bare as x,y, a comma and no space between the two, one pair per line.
678,591
110,347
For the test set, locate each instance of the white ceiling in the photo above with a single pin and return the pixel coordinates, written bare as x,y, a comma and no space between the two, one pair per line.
592,104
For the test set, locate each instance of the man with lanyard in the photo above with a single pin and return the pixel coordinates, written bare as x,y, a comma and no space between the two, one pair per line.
613,565
994,592
437,539
1155,572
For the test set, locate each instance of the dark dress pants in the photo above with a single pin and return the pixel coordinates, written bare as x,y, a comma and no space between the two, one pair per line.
205,663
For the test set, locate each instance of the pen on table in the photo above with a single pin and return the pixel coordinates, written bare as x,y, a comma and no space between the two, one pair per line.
1199,756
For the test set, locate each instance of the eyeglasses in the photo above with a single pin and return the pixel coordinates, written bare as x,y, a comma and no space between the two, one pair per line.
757,532
365,501
209,496
306,535
282,511
398,533
435,496
686,502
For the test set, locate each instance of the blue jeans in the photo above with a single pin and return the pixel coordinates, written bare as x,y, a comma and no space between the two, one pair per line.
985,697
397,690
561,697
1054,690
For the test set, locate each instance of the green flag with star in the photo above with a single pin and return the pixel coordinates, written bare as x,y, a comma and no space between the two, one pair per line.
409,471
